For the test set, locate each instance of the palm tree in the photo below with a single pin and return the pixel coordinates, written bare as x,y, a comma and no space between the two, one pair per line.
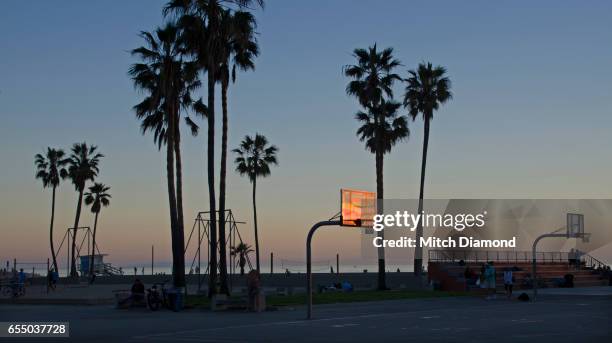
372,80
201,21
254,159
428,88
83,167
50,169
242,250
97,197
238,41
168,82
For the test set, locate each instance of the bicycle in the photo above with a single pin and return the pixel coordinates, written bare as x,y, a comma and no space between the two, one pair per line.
157,296
13,290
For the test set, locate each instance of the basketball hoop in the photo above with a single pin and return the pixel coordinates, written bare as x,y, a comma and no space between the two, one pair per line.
357,208
575,225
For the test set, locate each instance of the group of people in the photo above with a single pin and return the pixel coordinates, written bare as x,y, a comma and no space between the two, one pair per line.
487,279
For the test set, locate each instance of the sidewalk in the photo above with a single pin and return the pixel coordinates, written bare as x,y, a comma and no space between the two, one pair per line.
73,294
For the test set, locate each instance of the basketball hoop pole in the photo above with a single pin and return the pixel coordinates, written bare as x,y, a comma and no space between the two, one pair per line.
309,259
534,263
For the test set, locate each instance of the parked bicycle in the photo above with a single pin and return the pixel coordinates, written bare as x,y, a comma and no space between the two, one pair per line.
13,289
157,296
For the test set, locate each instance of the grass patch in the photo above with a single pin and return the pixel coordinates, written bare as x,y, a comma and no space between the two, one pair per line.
336,297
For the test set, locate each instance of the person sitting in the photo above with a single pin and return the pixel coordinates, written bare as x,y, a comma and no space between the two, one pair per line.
138,290
137,294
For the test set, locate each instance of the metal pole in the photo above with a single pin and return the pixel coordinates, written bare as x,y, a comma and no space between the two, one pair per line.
533,267
199,257
338,264
271,263
152,259
68,256
309,260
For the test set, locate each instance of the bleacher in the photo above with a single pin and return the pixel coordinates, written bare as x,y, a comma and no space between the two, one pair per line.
446,271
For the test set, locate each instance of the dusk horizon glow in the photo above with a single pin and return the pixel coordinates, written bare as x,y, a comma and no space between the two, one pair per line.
530,117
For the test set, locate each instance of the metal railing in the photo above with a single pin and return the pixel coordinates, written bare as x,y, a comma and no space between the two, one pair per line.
496,256
591,262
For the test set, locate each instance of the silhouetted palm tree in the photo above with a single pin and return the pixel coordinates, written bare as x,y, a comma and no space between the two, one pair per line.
373,79
97,197
168,82
82,167
50,169
254,159
201,21
382,128
428,88
238,43
242,250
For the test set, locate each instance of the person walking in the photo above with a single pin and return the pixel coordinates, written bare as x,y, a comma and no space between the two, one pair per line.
490,280
508,282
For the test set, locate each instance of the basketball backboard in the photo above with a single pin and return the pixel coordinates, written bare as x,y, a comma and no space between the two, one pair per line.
575,225
357,208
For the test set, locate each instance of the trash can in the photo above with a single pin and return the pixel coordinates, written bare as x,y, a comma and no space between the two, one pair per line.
175,299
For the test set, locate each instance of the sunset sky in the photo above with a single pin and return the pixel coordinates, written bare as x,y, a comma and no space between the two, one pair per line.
531,115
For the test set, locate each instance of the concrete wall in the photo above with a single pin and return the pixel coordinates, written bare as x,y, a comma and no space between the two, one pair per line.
296,281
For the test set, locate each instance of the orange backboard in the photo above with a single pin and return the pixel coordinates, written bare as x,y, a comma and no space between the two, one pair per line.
357,207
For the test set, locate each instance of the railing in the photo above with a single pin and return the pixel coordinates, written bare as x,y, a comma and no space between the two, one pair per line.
111,270
591,262
496,255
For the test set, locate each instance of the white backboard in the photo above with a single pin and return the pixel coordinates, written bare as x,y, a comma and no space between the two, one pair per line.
575,225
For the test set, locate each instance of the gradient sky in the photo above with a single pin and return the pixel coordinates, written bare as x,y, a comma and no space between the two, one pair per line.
531,114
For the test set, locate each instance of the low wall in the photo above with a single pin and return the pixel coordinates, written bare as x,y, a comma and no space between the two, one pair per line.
395,280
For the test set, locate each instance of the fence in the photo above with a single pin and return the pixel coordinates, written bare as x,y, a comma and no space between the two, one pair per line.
496,255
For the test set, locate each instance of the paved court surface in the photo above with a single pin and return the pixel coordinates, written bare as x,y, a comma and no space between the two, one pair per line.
554,318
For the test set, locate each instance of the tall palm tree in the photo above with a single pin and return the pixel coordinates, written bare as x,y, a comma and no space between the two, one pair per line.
82,167
50,169
254,159
242,250
97,197
201,21
168,81
372,80
428,88
237,42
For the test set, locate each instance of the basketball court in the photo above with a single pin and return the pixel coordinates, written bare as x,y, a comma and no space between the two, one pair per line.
551,319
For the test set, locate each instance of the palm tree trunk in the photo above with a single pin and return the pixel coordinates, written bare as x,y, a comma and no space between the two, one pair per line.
73,269
382,284
180,228
418,252
53,256
255,224
212,278
93,246
178,272
222,181
242,263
